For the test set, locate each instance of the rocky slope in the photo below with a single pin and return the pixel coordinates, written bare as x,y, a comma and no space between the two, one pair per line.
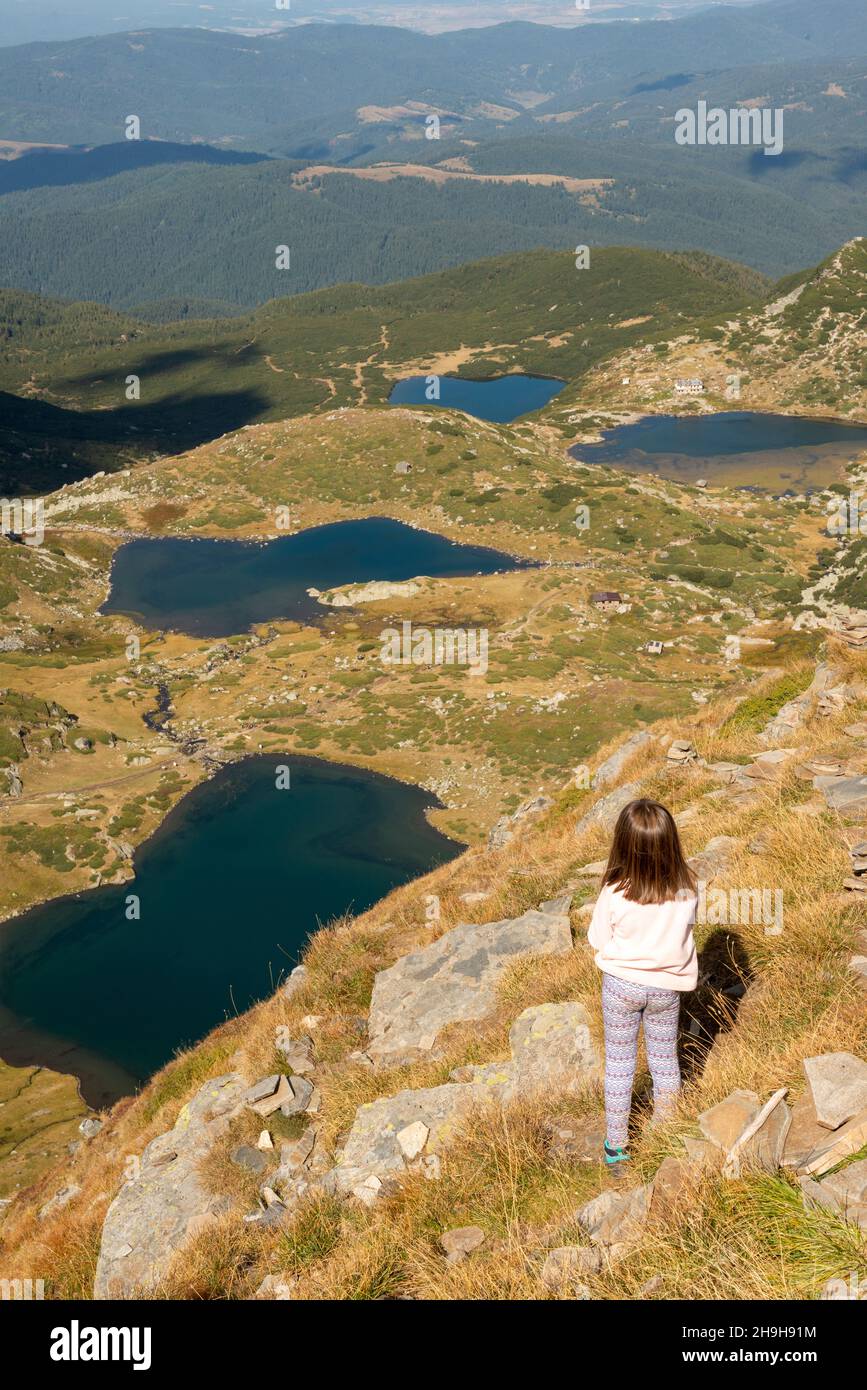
800,350
416,1112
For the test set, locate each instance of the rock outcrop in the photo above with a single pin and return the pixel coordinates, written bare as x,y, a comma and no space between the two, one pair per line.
612,767
791,718
164,1204
373,592
506,827
552,1052
454,979
604,812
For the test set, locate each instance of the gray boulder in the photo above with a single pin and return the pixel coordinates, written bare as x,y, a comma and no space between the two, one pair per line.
605,811
461,1241
247,1157
838,1082
297,1054
616,1219
15,785
155,1212
791,718
454,979
551,1045
302,1093
715,858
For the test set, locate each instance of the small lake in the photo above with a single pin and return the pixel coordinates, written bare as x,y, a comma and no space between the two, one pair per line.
231,886
780,453
211,588
500,398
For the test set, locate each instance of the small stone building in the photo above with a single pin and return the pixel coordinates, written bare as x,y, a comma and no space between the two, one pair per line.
607,601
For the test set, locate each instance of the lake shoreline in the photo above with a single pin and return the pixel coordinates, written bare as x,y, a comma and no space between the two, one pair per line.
102,1078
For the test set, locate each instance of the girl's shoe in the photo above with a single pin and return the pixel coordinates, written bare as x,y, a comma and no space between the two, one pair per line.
614,1156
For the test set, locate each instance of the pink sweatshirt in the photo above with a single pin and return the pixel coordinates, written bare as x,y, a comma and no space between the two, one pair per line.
648,943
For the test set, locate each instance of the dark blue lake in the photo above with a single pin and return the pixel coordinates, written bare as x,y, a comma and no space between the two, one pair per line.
499,398
734,448
211,588
231,885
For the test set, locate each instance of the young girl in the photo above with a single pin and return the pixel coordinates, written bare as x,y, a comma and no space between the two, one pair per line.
641,931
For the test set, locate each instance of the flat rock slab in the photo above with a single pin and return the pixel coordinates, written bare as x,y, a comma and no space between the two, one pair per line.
844,1192
838,1082
552,1053
155,1212
724,1123
454,979
806,1138
715,858
848,795
841,1144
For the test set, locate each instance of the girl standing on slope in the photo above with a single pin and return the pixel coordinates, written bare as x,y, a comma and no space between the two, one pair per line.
641,931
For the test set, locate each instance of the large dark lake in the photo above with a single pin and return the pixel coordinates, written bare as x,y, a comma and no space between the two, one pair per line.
211,588
499,398
780,453
230,887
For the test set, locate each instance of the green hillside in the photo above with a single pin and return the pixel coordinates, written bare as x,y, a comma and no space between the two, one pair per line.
65,366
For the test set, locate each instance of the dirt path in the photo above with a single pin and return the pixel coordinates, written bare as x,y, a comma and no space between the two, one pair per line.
358,367
98,786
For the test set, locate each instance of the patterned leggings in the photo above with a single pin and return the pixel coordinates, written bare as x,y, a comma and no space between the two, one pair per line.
623,1005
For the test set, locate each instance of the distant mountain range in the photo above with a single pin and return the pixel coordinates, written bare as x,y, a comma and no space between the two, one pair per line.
274,91
22,22
249,144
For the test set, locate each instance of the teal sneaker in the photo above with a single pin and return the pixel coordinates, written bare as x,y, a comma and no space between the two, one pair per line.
613,1155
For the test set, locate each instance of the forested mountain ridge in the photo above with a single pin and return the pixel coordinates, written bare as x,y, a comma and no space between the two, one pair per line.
135,222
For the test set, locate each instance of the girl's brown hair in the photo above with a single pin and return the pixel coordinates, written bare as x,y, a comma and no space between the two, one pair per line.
646,861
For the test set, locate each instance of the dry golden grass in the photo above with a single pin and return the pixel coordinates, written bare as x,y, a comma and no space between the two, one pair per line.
745,1239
